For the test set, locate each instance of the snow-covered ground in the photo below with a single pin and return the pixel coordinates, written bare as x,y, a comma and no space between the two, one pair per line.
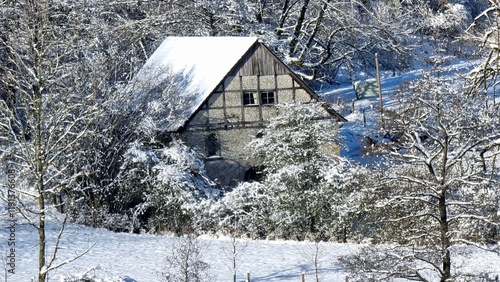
120,257
361,121
133,257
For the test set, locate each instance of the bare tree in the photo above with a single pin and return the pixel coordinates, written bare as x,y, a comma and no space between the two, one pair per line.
486,31
313,252
45,108
185,262
233,250
440,188
320,37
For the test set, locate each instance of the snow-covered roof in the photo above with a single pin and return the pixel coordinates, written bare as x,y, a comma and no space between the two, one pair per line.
204,61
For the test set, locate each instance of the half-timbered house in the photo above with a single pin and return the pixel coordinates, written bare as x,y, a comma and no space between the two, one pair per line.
232,85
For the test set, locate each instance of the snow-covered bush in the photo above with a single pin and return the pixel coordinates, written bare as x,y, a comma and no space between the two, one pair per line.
305,181
244,211
449,22
162,188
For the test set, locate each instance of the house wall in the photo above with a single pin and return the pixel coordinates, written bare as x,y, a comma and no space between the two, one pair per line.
225,107
236,124
233,122
233,160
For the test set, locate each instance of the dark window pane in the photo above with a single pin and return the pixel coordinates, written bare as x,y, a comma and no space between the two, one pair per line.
267,97
248,98
212,144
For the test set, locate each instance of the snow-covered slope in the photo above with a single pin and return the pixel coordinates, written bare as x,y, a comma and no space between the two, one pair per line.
362,122
133,257
120,257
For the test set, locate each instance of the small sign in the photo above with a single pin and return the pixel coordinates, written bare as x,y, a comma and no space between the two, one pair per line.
366,89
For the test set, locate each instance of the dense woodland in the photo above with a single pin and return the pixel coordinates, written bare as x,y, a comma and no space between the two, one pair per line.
67,124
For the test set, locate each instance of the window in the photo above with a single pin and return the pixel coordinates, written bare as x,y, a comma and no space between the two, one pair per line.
267,97
248,98
212,144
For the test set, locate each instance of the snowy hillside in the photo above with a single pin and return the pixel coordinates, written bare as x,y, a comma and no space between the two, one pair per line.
362,122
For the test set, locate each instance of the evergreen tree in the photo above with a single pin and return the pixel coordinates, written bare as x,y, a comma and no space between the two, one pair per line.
305,183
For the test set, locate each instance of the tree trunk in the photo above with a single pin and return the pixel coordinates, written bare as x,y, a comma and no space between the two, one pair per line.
443,213
41,239
260,11
298,28
317,26
445,240
39,169
40,187
284,14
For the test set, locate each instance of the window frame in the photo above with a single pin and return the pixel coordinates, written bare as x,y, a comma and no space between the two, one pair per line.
267,96
249,98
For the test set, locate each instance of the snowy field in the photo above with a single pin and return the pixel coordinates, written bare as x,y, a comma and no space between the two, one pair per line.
132,257
120,257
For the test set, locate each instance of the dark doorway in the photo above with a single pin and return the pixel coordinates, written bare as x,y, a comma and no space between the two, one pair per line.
255,173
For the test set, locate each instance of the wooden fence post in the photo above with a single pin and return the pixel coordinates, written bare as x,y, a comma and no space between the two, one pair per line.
248,276
381,104
303,277
347,279
364,118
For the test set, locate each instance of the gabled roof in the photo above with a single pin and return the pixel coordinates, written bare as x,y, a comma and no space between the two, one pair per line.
206,59
201,63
